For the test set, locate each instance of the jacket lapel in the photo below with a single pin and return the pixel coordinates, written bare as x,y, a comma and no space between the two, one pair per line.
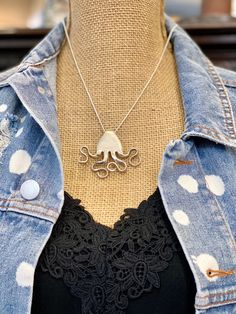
207,107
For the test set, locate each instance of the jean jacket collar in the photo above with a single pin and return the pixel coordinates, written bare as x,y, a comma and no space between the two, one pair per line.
207,107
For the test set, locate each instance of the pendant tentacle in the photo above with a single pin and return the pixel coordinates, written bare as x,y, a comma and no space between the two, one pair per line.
118,160
110,145
132,157
105,157
116,166
99,171
86,154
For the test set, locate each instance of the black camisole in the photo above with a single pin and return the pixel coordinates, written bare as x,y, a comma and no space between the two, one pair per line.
137,267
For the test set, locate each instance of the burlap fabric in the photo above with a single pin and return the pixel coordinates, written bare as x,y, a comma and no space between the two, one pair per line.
117,45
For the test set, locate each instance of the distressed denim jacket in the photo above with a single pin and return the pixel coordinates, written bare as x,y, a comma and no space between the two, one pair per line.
197,178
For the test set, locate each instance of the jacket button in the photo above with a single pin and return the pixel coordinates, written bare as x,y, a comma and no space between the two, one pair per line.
29,189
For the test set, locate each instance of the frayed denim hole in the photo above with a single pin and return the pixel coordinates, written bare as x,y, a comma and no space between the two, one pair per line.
8,127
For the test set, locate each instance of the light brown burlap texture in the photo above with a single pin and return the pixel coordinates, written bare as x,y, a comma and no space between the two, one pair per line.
117,45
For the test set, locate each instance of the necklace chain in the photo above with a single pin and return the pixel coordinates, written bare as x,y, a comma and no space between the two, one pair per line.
145,86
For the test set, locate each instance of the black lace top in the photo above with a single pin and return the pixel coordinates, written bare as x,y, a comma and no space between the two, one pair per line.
136,267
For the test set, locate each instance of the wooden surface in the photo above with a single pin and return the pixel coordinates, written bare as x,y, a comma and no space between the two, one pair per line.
217,39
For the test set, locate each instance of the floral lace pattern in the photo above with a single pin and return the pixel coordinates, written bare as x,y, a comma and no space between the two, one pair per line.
106,267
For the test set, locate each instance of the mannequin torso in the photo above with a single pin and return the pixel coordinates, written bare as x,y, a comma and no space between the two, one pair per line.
117,45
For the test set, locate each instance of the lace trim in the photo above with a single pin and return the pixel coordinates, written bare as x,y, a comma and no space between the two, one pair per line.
105,267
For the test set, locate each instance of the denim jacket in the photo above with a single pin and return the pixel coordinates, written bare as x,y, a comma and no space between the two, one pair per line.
197,178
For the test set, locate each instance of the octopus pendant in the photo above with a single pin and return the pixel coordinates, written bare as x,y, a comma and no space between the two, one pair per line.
109,143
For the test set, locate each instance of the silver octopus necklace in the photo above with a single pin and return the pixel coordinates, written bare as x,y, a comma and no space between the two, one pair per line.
109,142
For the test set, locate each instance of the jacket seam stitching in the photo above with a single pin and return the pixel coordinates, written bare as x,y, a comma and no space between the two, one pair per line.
216,294
217,134
25,65
32,210
213,130
21,201
214,303
229,122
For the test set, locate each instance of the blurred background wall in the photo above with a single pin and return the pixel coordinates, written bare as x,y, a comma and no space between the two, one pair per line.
211,23
15,13
46,13
183,7
31,13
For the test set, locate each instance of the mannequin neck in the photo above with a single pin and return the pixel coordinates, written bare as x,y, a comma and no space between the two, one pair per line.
117,44
138,26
